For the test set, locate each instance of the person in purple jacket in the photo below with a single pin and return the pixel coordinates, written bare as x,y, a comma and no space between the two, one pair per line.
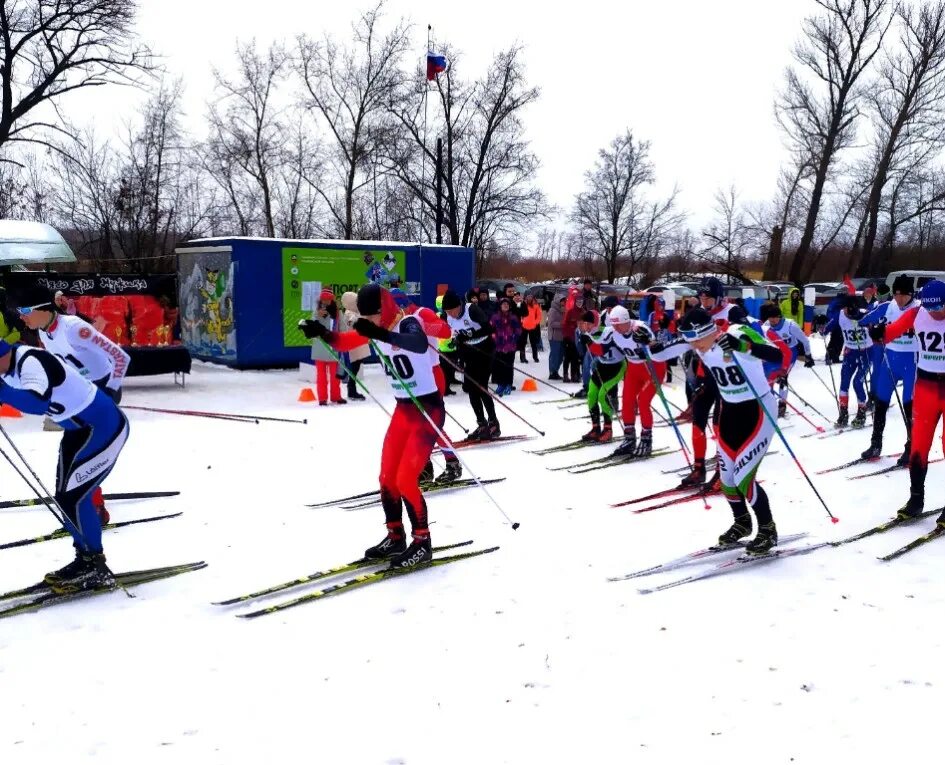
507,328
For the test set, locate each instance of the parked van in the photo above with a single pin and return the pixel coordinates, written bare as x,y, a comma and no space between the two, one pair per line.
919,278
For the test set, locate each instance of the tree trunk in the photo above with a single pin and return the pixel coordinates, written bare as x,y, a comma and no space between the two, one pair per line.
807,238
772,268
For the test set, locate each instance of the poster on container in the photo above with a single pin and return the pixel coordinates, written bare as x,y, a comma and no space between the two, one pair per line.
337,270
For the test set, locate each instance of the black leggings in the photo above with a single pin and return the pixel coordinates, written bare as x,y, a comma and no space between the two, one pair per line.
572,362
477,366
503,371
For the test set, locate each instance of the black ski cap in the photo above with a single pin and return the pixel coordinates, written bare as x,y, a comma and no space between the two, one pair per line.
903,284
369,300
451,300
737,315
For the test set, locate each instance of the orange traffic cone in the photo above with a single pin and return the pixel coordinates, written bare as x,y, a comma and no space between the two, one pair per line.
529,386
8,411
306,395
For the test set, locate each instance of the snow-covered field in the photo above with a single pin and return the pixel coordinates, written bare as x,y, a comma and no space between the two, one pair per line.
528,655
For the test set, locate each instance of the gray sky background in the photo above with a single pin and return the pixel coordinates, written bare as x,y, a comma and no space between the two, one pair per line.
697,79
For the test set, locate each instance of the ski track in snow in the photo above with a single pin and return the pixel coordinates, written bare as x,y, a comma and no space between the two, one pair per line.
527,655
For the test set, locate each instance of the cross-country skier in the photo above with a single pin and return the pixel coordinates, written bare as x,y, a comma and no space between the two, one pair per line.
796,341
856,345
472,334
434,327
638,387
744,432
409,440
76,342
893,363
927,321
606,373
94,433
712,298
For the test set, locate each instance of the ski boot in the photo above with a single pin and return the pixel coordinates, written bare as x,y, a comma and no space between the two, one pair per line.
782,409
606,432
859,420
913,508
903,460
645,447
765,539
426,475
843,420
393,544
419,551
353,395
628,447
593,434
86,572
479,433
875,450
697,477
452,472
738,530
493,431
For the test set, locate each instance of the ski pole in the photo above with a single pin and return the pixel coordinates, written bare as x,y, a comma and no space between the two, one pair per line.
807,403
523,372
358,380
895,388
222,415
489,393
804,417
436,429
659,392
774,423
49,501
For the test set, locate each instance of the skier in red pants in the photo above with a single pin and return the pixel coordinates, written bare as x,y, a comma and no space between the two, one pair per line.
410,439
928,403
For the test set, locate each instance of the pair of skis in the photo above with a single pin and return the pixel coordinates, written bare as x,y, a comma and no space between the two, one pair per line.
369,498
34,501
610,460
746,561
371,575
40,595
60,533
467,443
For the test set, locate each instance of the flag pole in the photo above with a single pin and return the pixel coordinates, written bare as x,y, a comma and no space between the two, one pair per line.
426,100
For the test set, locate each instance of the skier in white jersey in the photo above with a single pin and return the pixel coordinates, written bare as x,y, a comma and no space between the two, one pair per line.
94,433
75,341
744,431
404,342
78,343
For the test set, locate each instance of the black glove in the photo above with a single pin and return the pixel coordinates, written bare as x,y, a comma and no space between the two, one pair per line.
370,330
463,336
808,361
878,332
654,348
730,343
312,329
641,336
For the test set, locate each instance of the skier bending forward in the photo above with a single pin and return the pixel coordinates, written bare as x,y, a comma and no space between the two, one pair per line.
735,357
410,439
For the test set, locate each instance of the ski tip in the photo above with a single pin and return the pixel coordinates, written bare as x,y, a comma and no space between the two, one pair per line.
644,590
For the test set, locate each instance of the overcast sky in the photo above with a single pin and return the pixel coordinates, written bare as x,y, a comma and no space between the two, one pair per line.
696,79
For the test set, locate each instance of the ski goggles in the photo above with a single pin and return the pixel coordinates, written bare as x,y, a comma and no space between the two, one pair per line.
698,333
26,310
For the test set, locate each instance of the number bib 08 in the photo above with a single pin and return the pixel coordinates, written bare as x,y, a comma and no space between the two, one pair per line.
735,381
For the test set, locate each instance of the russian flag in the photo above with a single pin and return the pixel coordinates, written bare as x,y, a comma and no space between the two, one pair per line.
436,63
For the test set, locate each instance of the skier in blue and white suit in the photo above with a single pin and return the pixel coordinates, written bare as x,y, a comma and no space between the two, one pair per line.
896,364
94,433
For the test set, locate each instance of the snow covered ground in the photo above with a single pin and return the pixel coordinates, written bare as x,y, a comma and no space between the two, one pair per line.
528,655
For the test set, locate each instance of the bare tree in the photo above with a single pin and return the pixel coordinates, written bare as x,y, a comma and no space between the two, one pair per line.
731,238
907,106
489,169
838,48
625,227
350,89
246,148
53,47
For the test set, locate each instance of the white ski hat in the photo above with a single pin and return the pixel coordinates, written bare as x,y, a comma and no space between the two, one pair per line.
618,315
